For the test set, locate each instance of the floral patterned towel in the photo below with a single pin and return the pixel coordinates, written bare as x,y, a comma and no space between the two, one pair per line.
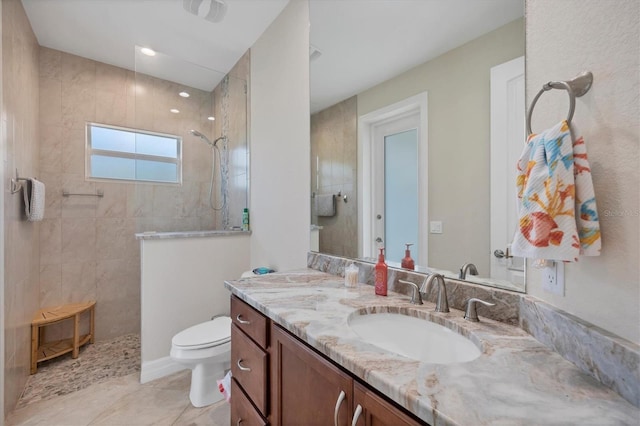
556,200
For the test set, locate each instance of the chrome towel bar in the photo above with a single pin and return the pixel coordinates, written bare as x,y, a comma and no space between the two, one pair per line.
98,193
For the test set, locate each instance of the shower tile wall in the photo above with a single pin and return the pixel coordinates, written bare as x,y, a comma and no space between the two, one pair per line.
20,135
333,148
88,248
232,120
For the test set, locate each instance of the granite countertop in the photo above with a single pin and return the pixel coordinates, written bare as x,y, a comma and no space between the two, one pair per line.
516,380
153,235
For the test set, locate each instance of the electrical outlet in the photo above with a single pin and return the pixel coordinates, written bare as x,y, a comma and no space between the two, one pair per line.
553,278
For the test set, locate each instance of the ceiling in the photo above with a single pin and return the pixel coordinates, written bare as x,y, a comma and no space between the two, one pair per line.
363,42
191,47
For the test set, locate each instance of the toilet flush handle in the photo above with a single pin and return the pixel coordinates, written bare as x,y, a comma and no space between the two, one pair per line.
241,321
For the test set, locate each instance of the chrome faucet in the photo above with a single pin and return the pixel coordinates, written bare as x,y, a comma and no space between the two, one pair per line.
467,267
416,298
471,314
442,305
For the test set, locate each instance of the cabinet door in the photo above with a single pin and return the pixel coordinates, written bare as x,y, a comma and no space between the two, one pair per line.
305,388
372,410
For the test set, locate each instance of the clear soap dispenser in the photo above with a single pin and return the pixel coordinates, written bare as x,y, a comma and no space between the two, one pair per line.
351,276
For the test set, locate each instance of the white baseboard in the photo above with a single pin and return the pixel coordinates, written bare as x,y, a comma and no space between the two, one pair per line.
158,368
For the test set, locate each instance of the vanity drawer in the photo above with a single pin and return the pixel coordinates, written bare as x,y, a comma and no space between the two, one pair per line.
249,368
252,322
242,411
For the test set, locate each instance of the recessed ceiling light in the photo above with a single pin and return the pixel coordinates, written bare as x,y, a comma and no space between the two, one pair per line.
147,51
175,111
211,118
184,94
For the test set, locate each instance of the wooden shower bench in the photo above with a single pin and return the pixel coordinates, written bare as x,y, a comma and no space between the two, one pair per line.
41,351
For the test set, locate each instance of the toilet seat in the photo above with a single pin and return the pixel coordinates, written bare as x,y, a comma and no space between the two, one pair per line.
204,335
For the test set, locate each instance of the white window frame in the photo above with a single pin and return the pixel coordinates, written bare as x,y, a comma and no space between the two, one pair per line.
89,151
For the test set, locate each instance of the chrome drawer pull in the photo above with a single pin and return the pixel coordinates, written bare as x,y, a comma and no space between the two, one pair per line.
356,415
241,321
337,410
241,367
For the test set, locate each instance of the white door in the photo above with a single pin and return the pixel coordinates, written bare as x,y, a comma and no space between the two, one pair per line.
395,186
507,141
391,126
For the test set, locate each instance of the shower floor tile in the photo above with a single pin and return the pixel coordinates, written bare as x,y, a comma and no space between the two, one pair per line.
97,363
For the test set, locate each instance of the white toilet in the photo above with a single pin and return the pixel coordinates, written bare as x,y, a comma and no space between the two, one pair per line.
205,349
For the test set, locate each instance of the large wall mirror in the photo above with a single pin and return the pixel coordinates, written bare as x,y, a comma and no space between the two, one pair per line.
417,118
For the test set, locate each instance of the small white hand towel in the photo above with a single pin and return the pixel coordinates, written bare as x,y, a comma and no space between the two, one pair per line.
326,205
33,192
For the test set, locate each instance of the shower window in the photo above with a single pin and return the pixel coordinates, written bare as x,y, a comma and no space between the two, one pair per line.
120,153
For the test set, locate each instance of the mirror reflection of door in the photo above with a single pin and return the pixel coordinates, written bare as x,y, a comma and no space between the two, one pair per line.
393,153
395,186
507,140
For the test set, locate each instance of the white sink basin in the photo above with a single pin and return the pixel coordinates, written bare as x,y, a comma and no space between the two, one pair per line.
414,338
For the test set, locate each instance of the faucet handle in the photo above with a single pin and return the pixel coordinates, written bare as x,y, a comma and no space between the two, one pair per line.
416,299
471,314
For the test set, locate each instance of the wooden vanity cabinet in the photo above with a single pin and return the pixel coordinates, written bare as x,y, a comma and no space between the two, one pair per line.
375,411
250,321
249,365
290,384
242,410
305,388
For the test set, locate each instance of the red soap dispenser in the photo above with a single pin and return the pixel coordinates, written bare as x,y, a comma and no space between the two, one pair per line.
381,275
407,262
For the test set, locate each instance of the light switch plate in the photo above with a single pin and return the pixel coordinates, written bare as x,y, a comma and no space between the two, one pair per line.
435,227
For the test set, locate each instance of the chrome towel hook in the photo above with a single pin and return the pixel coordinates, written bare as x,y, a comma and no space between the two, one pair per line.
16,186
577,86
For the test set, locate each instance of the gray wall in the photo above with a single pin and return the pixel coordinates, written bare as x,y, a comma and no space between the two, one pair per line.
457,84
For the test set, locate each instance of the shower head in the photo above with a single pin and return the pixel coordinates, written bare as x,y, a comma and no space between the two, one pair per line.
206,139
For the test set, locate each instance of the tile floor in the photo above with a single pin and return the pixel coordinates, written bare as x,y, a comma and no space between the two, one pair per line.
124,401
86,395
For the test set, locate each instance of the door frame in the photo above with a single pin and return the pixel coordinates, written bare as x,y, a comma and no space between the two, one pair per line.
366,124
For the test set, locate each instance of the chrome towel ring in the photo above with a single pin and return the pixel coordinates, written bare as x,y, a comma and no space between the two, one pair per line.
577,86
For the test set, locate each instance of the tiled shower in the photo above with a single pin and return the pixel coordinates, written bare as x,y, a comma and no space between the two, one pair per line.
333,170
85,247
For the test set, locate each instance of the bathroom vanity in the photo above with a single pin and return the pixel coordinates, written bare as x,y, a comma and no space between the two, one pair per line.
296,359
302,386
